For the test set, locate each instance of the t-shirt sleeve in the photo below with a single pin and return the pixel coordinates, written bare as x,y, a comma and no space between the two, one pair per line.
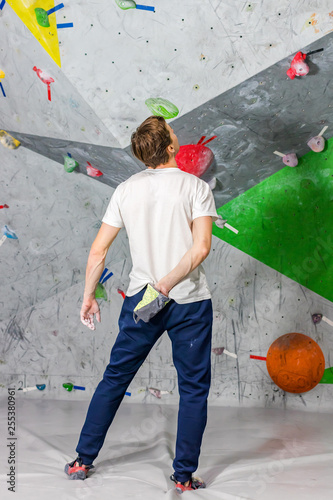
113,214
204,203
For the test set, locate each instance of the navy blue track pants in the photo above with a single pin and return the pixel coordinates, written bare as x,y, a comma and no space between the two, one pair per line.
189,327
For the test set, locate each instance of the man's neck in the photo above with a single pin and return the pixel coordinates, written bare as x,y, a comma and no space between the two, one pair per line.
171,164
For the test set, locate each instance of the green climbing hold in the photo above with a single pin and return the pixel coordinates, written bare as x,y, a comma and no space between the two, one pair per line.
68,387
126,4
70,164
101,292
42,18
162,107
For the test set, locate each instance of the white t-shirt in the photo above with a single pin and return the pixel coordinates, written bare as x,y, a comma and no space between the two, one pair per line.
157,207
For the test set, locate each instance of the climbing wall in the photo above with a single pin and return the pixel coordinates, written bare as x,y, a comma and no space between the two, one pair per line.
76,90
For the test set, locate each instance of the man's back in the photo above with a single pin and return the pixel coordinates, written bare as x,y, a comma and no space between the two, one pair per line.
168,217
157,207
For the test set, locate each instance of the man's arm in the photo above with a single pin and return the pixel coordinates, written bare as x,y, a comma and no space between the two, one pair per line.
96,260
202,239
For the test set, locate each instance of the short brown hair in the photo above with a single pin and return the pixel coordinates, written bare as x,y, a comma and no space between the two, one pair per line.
150,141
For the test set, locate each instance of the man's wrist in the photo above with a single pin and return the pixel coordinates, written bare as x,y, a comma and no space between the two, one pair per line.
161,288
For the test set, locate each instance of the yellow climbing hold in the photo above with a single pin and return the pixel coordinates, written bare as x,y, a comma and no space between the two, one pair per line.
8,140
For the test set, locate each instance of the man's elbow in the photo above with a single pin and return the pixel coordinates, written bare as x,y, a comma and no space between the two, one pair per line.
205,249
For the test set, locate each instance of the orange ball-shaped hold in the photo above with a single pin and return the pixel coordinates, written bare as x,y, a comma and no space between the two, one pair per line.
295,362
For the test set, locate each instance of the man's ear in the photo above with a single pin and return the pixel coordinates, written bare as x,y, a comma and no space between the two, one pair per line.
170,149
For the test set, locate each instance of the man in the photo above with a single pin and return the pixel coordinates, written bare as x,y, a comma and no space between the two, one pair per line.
168,215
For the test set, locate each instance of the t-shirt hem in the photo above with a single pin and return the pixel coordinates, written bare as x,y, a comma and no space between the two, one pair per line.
110,223
214,215
192,299
188,300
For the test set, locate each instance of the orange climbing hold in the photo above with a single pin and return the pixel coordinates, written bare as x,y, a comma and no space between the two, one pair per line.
295,362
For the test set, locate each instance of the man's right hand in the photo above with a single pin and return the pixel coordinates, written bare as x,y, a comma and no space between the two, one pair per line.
89,308
160,287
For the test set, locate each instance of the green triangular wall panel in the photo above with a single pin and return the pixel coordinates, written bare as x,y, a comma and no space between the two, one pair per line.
286,221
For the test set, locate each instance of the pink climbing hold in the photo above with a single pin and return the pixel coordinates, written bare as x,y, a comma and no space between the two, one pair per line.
195,158
92,171
290,159
155,392
218,350
317,143
45,79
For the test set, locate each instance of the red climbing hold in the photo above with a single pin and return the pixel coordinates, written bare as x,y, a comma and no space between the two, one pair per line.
195,158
